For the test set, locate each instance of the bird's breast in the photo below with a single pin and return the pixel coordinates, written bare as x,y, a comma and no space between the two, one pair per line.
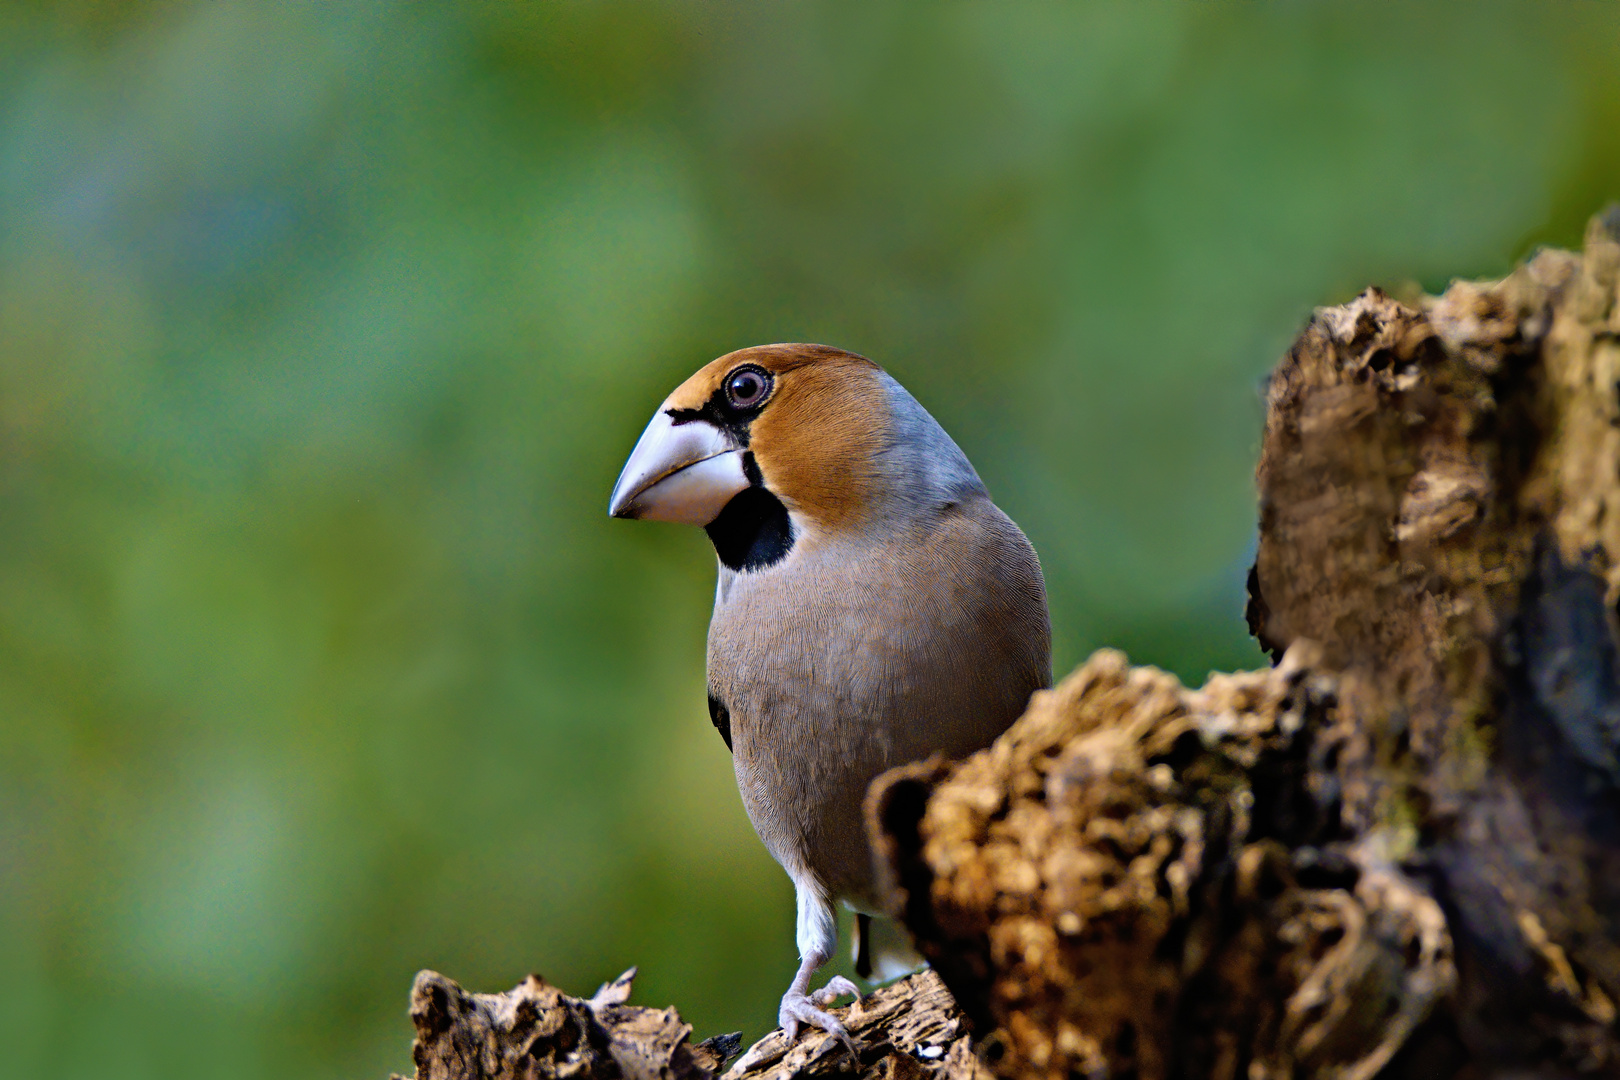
844,661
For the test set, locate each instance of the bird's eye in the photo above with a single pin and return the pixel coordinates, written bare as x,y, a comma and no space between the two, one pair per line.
747,387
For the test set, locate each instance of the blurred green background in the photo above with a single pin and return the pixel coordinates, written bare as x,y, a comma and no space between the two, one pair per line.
325,329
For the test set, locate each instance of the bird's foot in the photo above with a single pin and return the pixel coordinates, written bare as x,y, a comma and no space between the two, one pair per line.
799,1008
836,987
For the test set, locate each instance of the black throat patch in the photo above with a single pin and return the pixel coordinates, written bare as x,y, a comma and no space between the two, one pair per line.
753,531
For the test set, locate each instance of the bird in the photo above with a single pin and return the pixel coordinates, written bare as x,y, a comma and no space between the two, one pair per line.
873,607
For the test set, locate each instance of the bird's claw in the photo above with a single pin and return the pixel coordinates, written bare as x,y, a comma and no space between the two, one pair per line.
802,1009
836,987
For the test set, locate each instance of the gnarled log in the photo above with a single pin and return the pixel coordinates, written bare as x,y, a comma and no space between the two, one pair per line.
909,1030
1397,853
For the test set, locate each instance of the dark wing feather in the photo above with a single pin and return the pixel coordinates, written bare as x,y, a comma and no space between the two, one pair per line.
721,716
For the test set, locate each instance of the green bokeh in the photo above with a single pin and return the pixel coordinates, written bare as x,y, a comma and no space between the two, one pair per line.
324,330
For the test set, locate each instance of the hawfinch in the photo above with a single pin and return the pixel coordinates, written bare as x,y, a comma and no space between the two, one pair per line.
874,606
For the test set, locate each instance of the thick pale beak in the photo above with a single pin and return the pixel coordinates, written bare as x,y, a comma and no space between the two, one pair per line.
678,472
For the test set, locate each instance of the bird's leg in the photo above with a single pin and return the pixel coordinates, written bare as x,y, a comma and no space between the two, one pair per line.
801,1007
818,936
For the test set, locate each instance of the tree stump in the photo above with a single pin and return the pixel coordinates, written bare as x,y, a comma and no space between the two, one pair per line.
1396,853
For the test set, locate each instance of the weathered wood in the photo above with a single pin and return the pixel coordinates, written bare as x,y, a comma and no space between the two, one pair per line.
1396,854
1440,509
909,1030
1144,880
535,1030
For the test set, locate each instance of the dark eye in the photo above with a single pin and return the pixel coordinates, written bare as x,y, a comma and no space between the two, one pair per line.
747,387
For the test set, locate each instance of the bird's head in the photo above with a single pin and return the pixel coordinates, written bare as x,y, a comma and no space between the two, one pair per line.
766,442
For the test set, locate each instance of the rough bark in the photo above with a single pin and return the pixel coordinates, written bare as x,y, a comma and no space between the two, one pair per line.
910,1030
535,1030
1144,880
1394,854
1398,852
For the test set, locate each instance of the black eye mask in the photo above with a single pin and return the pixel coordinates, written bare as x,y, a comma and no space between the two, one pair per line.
727,408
